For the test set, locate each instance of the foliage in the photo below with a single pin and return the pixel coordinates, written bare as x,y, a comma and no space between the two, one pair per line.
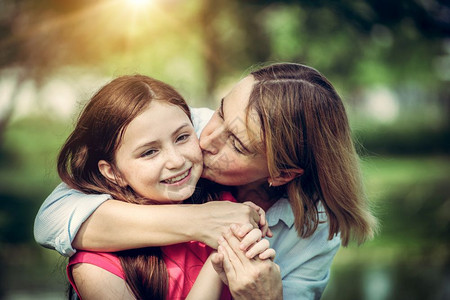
409,259
400,138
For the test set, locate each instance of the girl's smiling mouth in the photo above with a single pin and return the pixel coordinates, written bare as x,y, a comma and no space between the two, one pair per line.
179,178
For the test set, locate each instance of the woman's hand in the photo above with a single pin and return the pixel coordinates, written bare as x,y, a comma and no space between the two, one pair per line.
214,218
247,276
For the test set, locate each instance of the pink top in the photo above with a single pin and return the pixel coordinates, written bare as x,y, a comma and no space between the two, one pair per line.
183,261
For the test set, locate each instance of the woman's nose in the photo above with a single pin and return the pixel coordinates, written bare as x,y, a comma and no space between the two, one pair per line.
212,140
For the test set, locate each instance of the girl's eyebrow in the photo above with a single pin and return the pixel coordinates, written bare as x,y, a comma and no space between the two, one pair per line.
229,132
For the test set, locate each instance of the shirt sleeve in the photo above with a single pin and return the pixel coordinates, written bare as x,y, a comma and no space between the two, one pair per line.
200,117
61,216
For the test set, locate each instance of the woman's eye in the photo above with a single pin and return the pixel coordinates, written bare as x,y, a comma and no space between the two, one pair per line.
235,145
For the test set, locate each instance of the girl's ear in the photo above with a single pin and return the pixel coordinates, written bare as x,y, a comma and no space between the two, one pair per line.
285,176
108,172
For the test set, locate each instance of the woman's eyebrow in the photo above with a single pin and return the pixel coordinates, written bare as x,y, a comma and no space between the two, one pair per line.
221,108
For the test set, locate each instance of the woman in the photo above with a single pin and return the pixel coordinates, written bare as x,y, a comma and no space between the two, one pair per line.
281,137
123,145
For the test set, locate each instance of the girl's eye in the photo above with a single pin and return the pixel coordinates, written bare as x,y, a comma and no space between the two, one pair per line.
150,152
183,137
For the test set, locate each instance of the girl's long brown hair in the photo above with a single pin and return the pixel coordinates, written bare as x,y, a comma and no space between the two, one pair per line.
304,125
97,136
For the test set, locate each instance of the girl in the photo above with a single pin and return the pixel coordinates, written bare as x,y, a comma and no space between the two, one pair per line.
135,141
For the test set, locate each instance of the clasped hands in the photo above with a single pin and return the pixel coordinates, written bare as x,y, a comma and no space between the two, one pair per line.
244,262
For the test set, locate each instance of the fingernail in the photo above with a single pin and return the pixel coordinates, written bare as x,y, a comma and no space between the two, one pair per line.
221,240
234,226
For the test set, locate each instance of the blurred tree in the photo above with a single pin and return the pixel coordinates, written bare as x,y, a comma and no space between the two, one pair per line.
356,43
398,38
30,47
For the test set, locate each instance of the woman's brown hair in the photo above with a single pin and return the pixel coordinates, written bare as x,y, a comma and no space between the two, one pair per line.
97,136
304,126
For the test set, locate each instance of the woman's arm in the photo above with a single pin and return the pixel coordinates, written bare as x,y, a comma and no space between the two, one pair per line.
68,217
61,215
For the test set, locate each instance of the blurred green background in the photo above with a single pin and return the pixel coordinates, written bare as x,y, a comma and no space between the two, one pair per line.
389,60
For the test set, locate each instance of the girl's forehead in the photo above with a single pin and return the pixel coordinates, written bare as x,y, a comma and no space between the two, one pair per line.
160,120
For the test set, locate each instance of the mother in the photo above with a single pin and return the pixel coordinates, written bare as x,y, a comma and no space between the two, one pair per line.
281,139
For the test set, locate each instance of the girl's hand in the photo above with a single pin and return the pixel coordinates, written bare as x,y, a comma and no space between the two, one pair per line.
263,225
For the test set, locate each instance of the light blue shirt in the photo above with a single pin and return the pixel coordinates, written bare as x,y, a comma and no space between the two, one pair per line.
304,263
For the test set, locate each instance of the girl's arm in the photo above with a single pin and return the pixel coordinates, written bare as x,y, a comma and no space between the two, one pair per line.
70,218
96,283
209,283
159,225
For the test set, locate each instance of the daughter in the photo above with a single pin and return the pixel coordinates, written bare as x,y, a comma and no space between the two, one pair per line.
135,141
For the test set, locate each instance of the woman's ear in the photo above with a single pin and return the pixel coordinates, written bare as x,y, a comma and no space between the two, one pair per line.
285,176
108,172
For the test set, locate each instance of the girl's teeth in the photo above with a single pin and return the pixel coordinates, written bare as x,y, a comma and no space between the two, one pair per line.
178,178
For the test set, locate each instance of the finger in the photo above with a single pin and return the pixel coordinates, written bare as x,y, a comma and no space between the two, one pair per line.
254,218
268,254
231,244
230,263
263,224
259,210
258,248
250,239
217,259
241,231
262,217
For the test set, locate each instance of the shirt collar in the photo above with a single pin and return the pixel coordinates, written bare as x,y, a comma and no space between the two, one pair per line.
280,211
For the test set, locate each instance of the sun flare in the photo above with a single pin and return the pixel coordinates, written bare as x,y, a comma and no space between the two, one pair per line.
139,3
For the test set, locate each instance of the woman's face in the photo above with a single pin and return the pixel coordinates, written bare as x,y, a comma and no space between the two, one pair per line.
229,157
159,156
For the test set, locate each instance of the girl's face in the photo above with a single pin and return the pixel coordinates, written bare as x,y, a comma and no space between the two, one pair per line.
159,156
229,157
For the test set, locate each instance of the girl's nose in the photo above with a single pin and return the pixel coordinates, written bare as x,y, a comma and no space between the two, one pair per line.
175,160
